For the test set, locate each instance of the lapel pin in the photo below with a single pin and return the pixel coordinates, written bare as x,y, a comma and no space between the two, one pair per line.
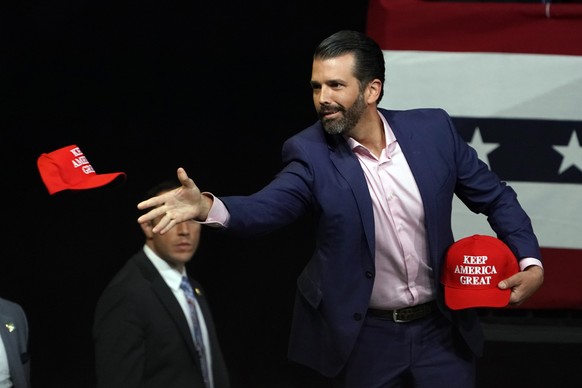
198,291
10,326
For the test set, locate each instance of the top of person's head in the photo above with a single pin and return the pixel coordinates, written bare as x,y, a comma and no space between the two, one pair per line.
158,189
369,58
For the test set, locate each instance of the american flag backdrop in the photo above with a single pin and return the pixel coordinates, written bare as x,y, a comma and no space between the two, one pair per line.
510,75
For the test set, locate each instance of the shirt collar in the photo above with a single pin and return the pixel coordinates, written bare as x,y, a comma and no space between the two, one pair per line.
171,276
388,135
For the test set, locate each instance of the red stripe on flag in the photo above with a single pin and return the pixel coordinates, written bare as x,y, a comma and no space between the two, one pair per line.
475,27
562,286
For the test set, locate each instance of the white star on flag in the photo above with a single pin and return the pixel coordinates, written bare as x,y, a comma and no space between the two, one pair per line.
572,154
483,149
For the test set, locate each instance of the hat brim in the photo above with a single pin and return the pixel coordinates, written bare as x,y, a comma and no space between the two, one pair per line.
97,180
90,182
458,299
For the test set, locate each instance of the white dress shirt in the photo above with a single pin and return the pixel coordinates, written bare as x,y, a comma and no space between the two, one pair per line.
173,278
5,381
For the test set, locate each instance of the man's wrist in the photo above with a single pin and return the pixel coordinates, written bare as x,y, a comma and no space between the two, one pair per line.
206,202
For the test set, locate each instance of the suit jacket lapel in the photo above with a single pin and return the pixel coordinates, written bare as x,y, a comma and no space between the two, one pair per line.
349,167
412,150
10,345
166,296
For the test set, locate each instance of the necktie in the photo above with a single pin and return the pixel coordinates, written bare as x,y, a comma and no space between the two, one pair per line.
196,332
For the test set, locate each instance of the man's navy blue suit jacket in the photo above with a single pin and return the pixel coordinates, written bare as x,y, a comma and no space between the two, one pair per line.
323,176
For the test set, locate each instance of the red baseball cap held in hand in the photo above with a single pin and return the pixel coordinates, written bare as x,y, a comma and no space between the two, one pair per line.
473,267
68,169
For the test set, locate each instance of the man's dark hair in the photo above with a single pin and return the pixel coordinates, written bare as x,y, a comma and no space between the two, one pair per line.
158,189
369,59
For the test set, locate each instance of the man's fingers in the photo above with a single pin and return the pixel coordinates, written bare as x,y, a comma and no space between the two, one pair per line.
156,212
163,226
510,282
164,206
184,180
152,202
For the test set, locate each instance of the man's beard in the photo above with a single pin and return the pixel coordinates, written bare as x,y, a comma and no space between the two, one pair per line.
347,121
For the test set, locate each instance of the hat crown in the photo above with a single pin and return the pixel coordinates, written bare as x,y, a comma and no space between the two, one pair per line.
73,164
474,266
69,169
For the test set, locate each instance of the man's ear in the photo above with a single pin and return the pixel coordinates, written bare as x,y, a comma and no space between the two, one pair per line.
373,91
147,229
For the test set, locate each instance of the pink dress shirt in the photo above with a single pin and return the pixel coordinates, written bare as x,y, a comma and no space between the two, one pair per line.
403,276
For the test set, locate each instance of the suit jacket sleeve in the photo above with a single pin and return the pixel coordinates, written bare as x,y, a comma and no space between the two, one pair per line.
119,344
15,342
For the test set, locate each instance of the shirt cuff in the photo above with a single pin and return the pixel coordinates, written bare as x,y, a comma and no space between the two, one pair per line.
218,215
527,261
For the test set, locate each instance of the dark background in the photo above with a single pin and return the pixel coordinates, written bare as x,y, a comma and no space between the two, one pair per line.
143,88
